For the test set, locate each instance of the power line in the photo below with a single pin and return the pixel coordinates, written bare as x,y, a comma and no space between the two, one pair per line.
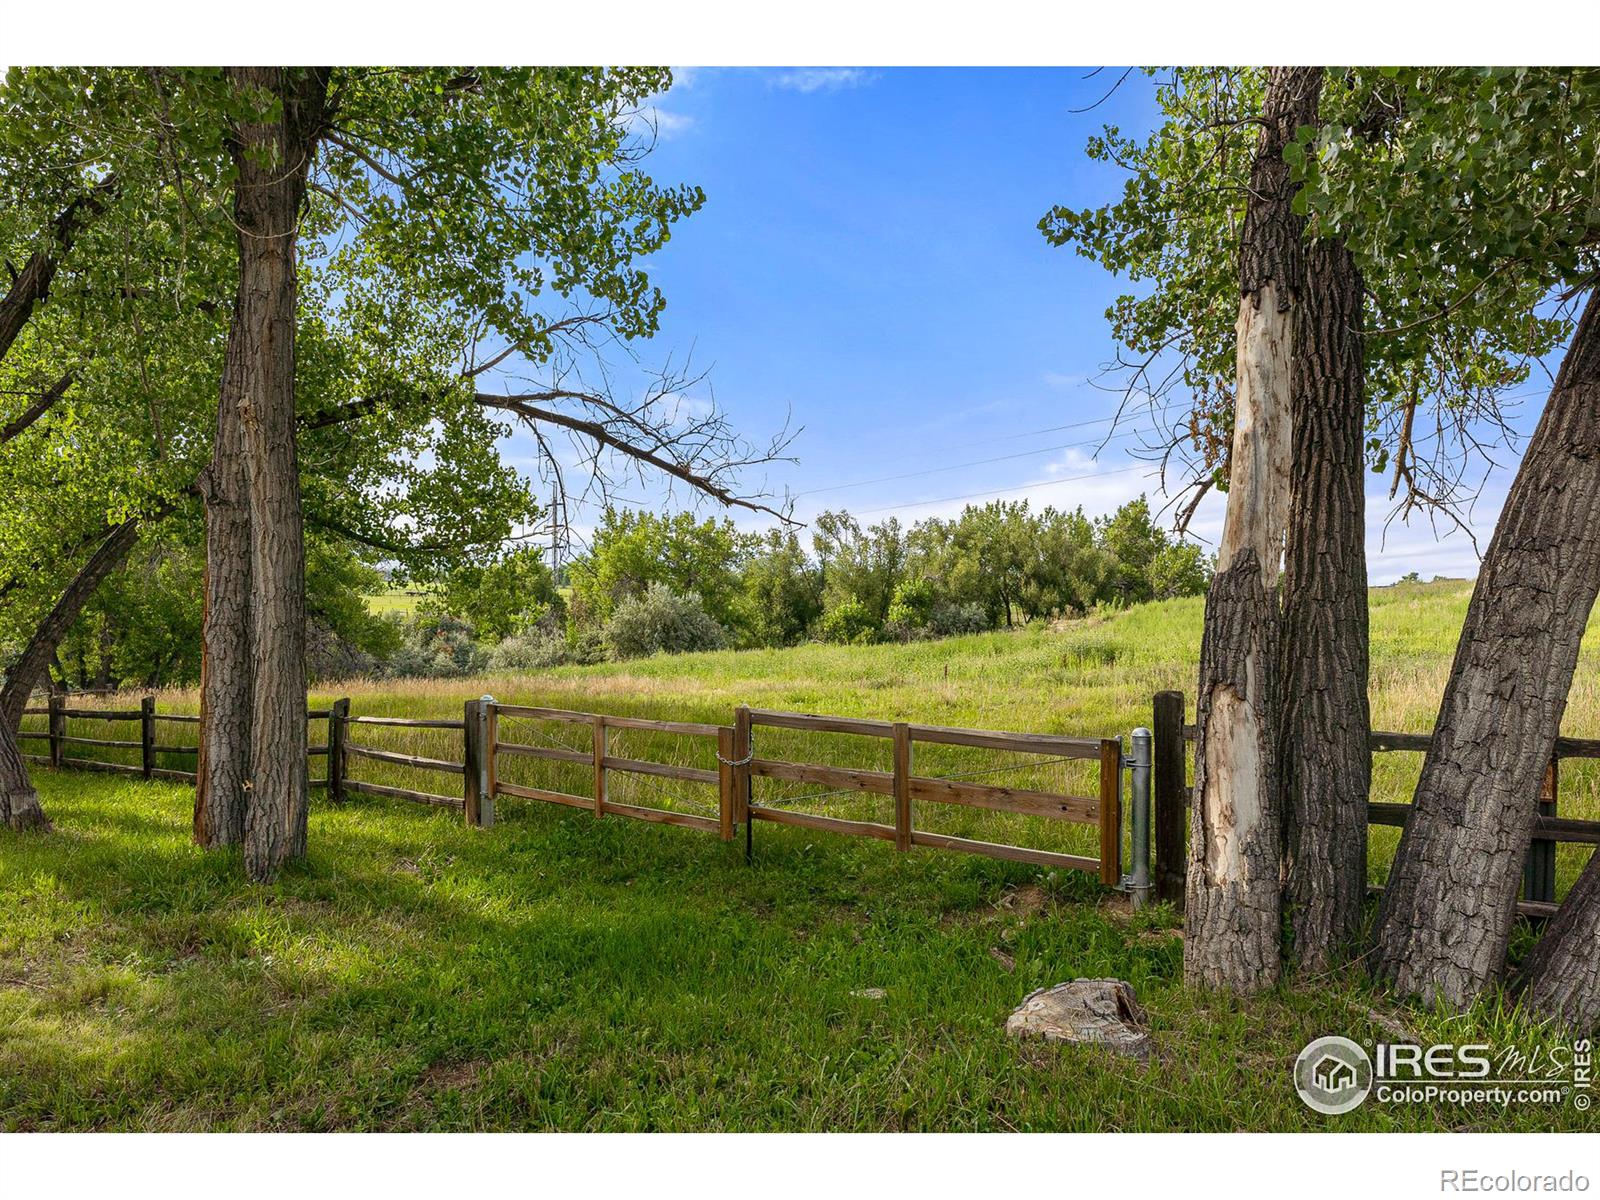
1011,437
1021,487
1024,486
977,462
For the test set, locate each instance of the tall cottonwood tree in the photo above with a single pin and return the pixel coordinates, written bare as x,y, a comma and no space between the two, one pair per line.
487,193
1484,178
480,196
272,147
1355,402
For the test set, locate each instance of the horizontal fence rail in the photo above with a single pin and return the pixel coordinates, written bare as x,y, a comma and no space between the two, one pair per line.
149,751
907,788
485,745
1172,735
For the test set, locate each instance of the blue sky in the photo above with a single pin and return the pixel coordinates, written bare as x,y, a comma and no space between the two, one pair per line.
867,266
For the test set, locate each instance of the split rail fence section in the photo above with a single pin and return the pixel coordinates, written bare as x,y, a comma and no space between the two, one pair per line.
1172,798
150,750
489,731
738,765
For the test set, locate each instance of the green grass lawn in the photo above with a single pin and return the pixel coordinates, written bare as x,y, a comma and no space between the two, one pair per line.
558,972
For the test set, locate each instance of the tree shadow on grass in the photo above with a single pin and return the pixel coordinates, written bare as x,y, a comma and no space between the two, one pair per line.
584,974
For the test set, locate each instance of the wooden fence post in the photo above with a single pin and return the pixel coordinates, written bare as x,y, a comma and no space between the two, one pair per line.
725,756
338,713
56,726
472,758
147,735
902,786
599,765
1539,873
1170,796
1111,812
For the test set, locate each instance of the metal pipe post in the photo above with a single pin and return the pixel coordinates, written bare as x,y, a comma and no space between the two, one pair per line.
1139,819
485,754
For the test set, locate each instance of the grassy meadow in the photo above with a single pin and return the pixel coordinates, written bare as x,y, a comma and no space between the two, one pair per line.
559,972
398,600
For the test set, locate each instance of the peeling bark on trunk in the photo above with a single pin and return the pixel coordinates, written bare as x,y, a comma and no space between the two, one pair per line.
272,158
32,667
19,803
1233,900
1258,467
1231,913
1447,911
1323,754
1561,978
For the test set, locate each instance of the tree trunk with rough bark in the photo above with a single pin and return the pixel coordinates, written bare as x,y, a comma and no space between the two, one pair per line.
1447,912
1233,902
272,157
19,802
1561,978
1323,753
226,694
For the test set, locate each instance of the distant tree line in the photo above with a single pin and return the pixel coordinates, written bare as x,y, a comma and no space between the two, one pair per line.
655,583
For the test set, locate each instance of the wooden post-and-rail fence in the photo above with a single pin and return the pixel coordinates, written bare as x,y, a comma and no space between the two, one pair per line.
1171,798
737,767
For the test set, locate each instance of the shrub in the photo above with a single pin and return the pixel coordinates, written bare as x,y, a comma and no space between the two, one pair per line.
946,619
662,621
848,622
585,647
437,646
912,604
532,652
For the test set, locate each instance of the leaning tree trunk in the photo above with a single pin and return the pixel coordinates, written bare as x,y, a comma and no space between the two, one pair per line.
1325,763
1447,912
1233,905
31,285
33,664
272,157
1561,978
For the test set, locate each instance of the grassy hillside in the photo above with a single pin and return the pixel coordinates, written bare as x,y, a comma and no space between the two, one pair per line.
563,972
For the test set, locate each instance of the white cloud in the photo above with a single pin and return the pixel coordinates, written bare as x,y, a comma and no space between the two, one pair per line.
1057,379
821,79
